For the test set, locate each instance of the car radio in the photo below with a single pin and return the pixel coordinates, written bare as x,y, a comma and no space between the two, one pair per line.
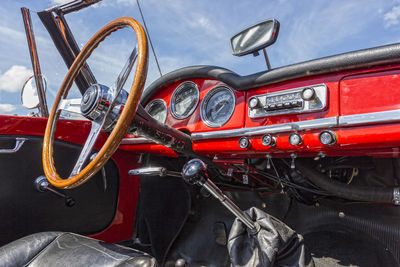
297,100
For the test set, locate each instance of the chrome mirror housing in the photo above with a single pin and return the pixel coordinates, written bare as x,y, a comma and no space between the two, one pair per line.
29,96
255,38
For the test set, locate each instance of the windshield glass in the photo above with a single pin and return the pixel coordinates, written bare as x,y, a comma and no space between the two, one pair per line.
188,33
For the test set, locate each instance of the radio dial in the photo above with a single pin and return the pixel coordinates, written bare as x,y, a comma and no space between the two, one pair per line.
308,94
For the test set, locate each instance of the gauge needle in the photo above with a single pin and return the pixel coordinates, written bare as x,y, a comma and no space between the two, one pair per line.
220,108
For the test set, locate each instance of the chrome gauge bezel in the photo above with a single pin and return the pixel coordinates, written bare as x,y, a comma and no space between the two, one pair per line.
205,101
154,102
176,91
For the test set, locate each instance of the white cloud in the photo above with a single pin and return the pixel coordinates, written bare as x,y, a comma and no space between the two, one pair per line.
14,78
60,2
126,2
392,17
14,34
6,108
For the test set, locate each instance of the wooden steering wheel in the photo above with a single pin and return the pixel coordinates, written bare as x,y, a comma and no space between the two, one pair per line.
99,105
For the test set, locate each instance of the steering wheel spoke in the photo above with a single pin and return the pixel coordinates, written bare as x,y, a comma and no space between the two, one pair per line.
116,88
70,105
87,148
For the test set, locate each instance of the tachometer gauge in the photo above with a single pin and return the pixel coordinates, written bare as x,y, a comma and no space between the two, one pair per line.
184,100
218,106
157,109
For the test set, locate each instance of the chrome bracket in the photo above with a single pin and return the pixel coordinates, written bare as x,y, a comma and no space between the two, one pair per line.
396,196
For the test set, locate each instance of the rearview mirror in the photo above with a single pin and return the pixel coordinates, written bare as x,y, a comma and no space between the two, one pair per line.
29,97
255,38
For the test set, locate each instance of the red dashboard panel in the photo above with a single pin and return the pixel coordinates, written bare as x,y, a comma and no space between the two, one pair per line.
370,92
362,111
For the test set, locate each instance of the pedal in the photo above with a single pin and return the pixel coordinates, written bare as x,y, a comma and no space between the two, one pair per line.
220,233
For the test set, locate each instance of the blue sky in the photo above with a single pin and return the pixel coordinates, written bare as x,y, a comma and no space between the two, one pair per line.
188,33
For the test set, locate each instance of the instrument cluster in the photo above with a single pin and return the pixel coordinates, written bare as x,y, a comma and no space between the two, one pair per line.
216,106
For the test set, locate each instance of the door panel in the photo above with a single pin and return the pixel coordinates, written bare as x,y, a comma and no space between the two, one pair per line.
23,210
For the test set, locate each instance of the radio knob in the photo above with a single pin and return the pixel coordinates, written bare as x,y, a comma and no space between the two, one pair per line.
254,102
308,94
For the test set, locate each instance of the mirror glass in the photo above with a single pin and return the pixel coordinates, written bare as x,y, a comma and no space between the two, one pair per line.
255,37
29,96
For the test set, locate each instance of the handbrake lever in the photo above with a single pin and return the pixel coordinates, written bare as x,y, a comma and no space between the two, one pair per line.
154,171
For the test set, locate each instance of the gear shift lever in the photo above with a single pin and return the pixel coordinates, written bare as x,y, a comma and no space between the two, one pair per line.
195,172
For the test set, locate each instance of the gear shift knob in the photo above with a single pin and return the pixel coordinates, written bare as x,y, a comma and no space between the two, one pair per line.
194,172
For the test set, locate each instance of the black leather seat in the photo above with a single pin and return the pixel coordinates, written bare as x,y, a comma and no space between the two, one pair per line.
68,249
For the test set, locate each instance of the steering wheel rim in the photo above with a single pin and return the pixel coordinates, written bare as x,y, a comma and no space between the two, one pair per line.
124,120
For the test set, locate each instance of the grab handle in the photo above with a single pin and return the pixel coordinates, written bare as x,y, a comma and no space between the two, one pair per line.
19,141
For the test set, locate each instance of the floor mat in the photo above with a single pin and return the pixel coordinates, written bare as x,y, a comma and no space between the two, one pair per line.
332,248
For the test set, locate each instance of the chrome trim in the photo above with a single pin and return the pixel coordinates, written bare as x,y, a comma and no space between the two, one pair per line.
71,105
396,196
155,101
152,171
177,90
87,148
135,141
366,118
19,141
204,103
270,129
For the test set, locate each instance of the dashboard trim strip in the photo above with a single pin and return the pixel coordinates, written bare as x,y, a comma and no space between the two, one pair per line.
348,120
366,118
270,129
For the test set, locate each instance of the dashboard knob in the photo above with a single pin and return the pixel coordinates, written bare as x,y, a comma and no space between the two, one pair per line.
254,102
244,142
308,94
268,140
327,138
295,139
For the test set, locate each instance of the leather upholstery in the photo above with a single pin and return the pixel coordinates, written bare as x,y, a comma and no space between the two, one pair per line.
68,249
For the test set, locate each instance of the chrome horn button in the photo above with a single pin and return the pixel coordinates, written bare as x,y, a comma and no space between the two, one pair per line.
89,100
96,101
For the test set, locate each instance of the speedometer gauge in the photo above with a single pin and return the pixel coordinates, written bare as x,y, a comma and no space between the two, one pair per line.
184,100
157,109
218,106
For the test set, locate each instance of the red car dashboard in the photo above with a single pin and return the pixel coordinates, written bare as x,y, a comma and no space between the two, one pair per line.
344,112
